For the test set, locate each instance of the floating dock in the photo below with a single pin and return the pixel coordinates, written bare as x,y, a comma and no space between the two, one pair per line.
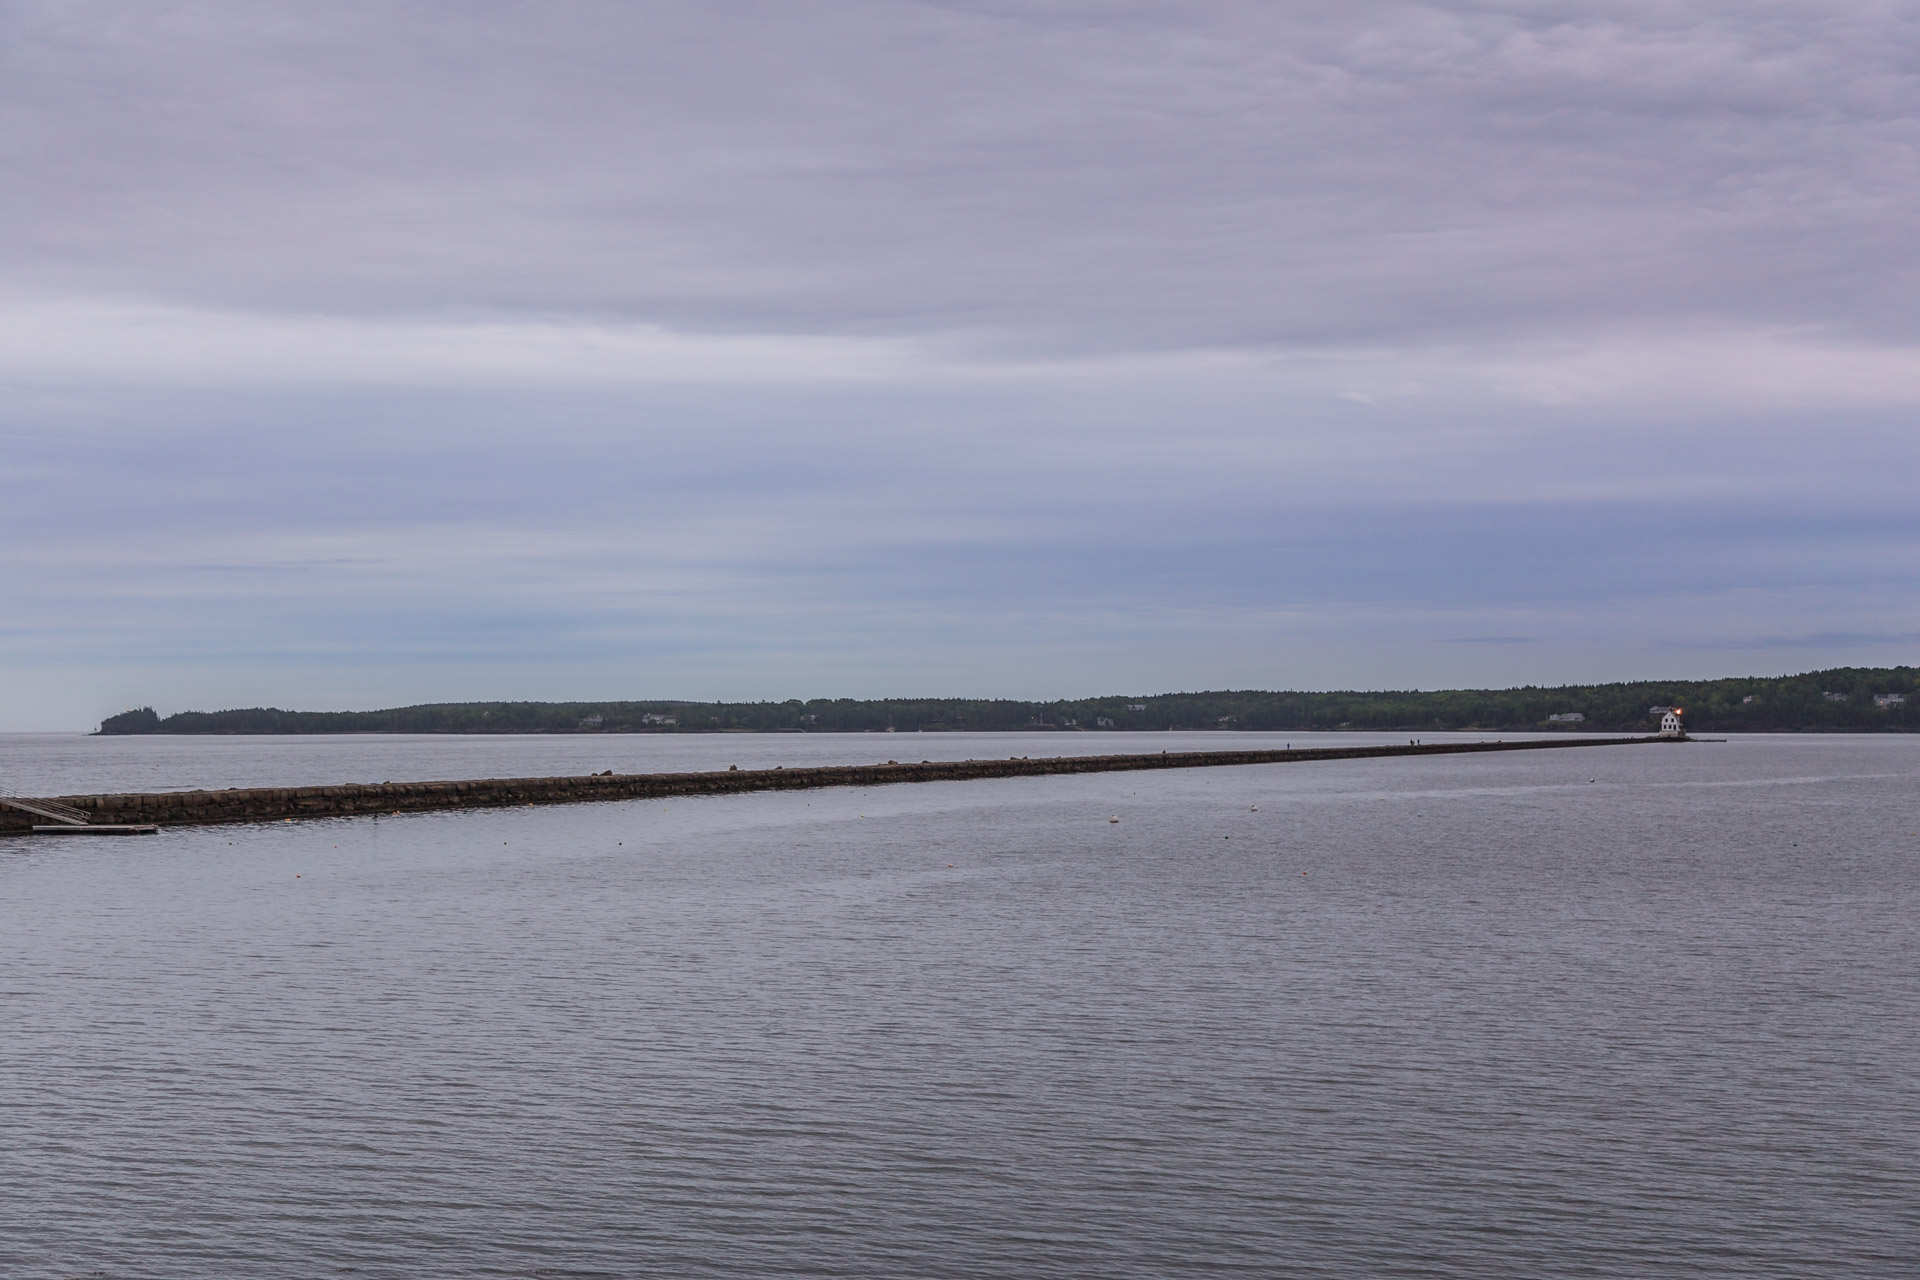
273,804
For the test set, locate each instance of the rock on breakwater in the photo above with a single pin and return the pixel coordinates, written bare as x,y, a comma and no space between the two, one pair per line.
273,804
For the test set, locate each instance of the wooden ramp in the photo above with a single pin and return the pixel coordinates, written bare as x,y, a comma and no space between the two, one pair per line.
69,821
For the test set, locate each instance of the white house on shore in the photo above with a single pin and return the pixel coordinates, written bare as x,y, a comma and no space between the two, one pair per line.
1670,724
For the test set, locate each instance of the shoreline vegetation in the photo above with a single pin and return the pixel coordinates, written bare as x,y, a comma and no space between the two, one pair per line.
1843,699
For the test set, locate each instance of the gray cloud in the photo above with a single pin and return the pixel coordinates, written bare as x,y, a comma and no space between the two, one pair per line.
1073,176
366,353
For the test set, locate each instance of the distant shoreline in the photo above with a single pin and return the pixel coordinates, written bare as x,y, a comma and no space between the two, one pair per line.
1845,699
774,733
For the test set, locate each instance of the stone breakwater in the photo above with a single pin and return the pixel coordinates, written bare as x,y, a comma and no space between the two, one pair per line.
273,804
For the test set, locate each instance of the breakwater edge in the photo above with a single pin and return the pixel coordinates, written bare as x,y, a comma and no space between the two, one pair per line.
273,804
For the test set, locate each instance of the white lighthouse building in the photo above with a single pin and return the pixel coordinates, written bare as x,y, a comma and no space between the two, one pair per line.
1670,725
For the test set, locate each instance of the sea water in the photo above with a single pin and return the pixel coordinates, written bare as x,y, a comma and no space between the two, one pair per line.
1625,1011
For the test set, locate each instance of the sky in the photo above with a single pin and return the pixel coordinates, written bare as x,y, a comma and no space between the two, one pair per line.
360,355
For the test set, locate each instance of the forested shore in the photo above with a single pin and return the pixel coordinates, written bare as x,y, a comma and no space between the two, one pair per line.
1842,699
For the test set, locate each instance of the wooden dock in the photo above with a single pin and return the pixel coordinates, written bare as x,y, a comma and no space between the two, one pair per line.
274,804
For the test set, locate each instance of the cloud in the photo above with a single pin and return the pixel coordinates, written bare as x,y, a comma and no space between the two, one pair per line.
876,347
86,340
1070,179
73,341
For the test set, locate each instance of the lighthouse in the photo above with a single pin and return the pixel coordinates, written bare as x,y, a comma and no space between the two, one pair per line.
1670,726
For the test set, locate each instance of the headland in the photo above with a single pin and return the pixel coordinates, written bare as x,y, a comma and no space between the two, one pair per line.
1844,699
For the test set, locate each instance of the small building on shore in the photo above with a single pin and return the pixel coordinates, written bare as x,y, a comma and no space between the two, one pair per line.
1670,726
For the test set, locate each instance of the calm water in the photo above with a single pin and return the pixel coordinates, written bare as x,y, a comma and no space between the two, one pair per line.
1639,1011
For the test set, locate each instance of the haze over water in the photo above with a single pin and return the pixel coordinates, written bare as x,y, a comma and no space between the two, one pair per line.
1634,1011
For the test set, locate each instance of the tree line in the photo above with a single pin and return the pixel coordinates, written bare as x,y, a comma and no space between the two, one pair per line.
1840,699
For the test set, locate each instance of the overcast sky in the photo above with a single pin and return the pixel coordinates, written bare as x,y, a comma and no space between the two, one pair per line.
358,355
